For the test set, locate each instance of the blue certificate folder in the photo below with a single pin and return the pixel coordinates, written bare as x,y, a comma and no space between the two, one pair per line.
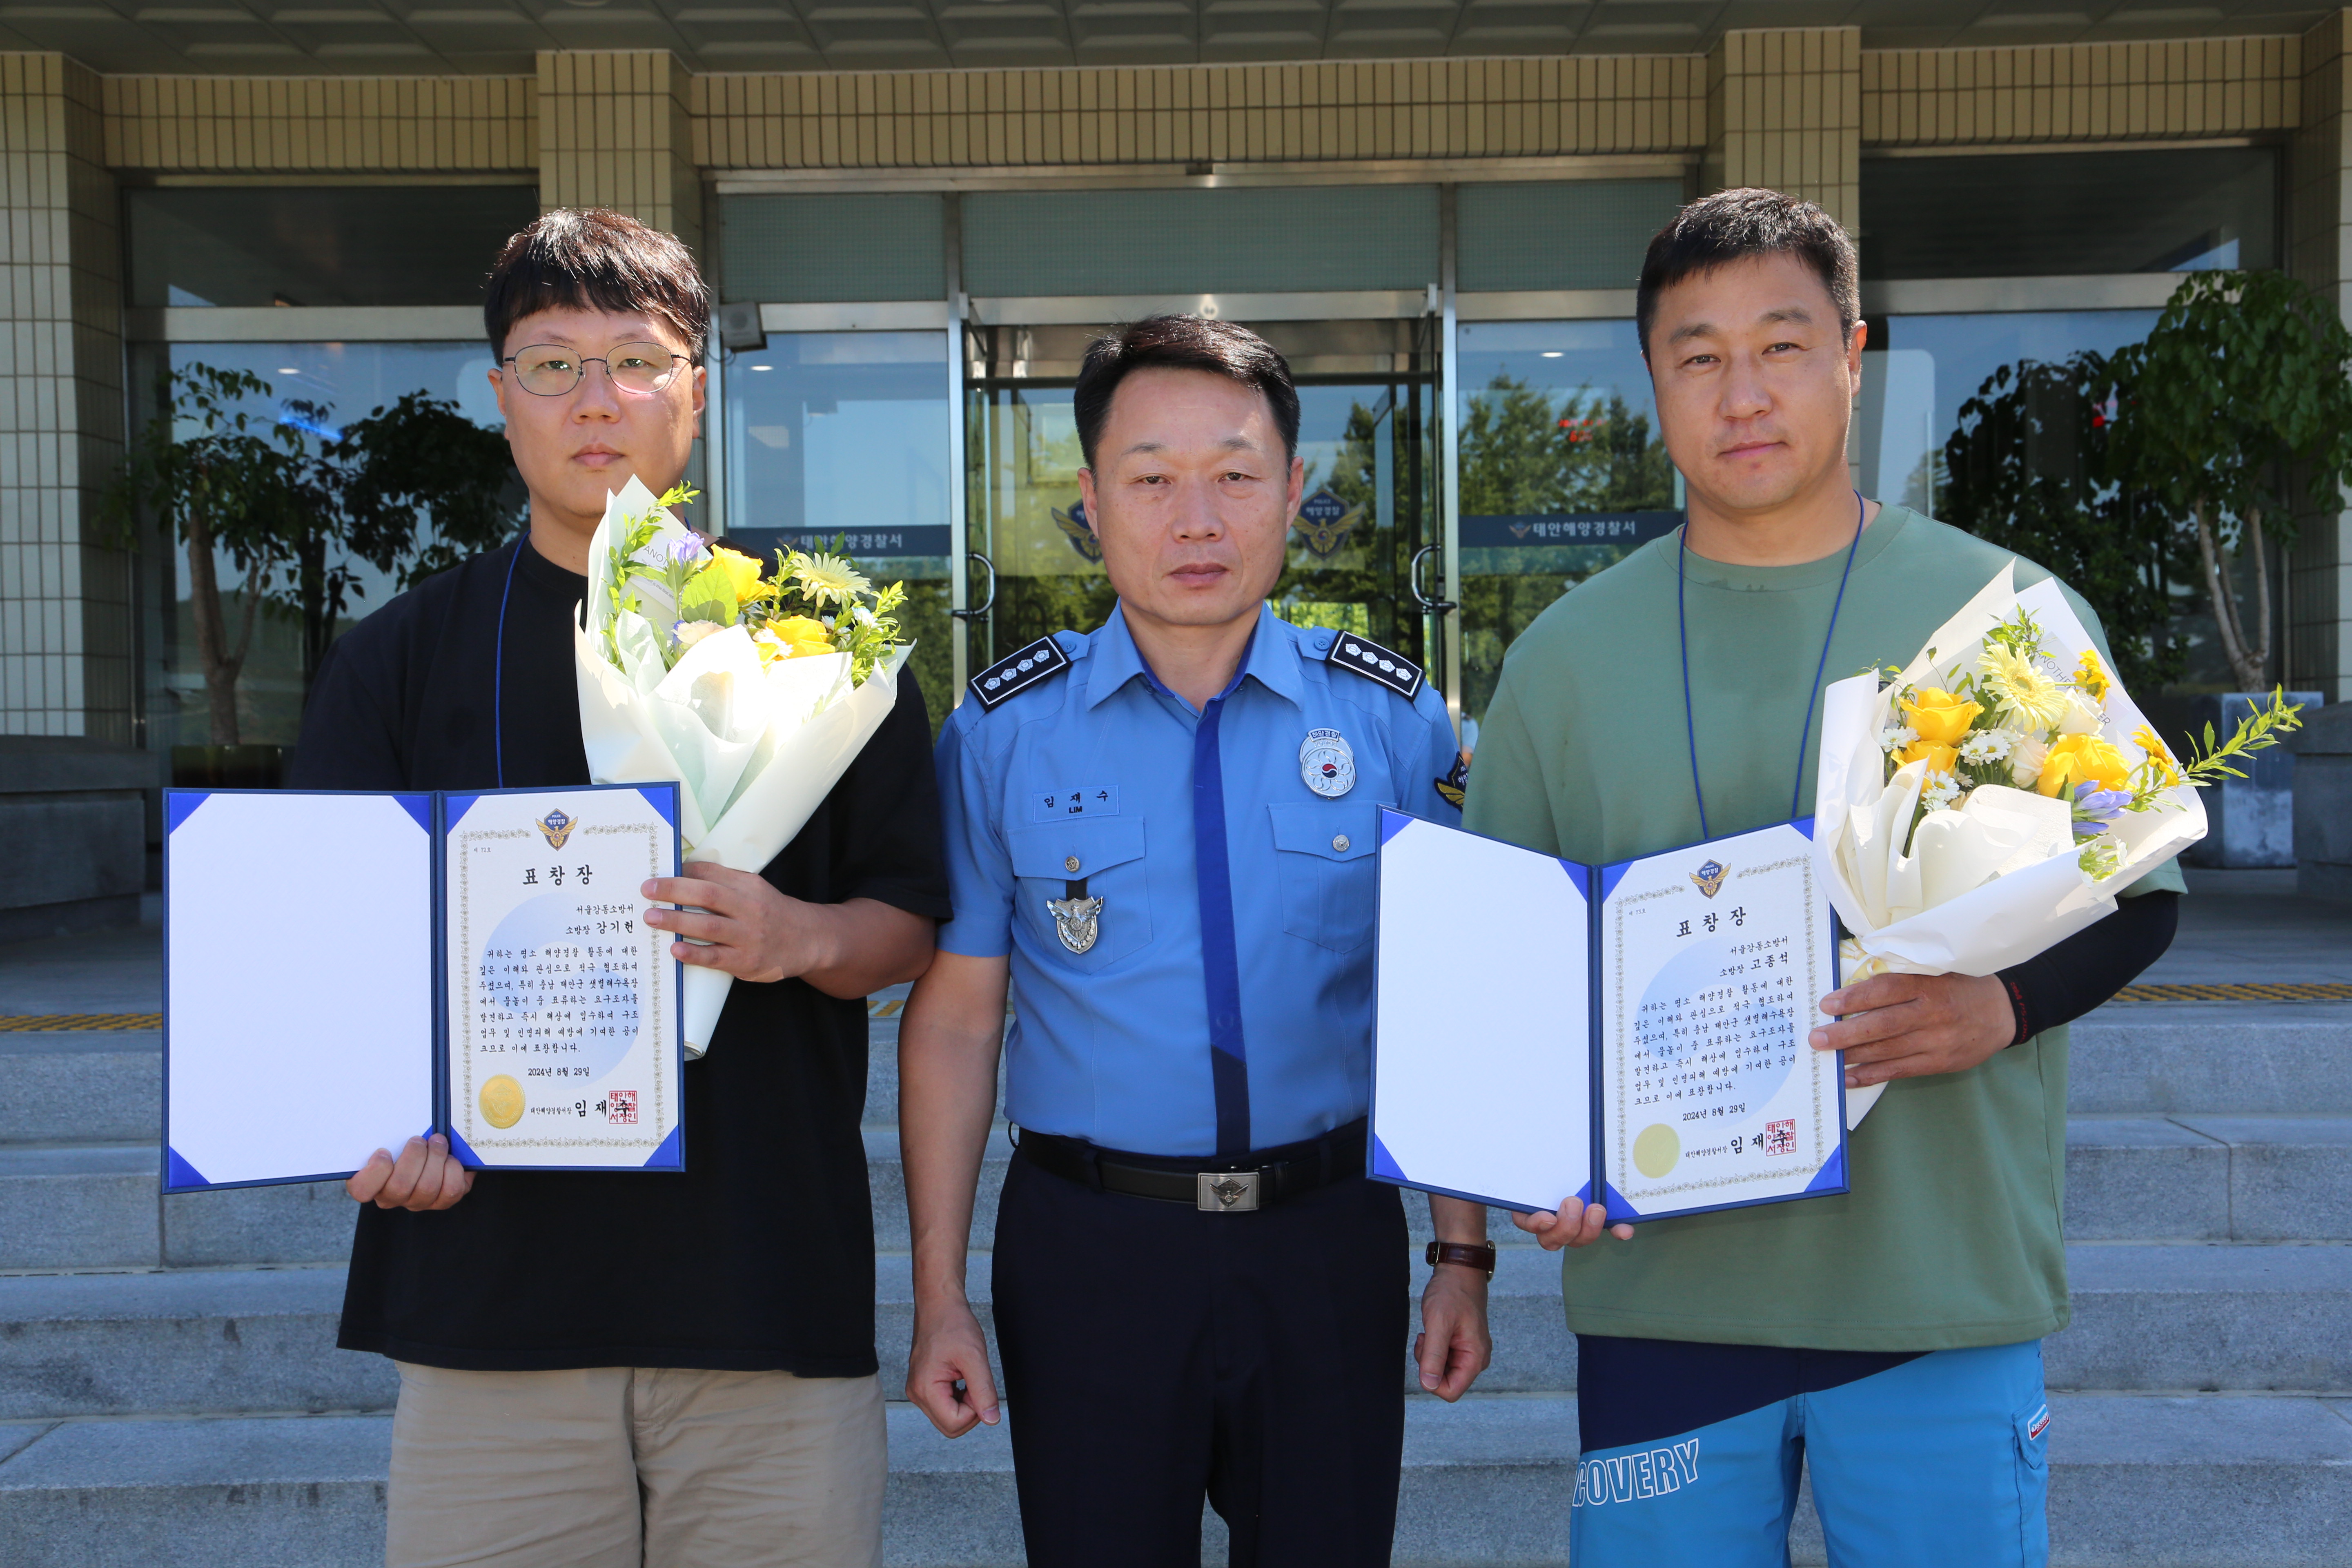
1548,1030
343,971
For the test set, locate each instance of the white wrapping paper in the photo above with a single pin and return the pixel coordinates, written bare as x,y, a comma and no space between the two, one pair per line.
754,750
1988,886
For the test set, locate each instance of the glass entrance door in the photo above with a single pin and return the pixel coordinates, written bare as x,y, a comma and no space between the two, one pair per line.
1367,426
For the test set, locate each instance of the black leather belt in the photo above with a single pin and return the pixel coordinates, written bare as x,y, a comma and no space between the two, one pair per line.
1260,1179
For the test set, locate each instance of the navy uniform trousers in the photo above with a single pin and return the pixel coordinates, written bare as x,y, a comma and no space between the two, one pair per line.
1153,1353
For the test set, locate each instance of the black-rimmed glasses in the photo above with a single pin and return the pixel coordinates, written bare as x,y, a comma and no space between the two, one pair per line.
549,370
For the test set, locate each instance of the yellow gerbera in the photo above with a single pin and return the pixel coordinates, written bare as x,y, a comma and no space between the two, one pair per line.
829,578
2092,675
2159,756
2022,688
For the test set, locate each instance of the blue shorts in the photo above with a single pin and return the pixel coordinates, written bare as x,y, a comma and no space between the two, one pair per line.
1691,1455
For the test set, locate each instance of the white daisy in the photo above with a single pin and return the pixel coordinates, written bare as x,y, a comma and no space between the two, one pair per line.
1897,738
1986,745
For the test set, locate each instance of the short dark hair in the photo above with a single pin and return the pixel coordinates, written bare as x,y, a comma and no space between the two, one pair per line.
588,258
1731,226
1182,342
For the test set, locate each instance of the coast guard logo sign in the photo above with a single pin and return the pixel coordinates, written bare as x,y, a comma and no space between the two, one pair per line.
1709,878
1324,522
557,828
1078,531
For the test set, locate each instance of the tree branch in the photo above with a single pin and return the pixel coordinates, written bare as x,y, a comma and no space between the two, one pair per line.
2258,663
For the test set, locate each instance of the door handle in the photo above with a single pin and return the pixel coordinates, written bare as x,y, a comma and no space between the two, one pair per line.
1429,606
986,604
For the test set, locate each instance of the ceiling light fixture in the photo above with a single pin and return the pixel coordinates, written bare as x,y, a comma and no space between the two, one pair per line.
1552,353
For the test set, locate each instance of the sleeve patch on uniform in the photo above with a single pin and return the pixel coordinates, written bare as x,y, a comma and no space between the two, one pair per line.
1369,660
1456,782
1018,671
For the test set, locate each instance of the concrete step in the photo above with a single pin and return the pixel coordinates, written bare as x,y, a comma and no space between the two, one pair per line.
295,1492
80,1088
2214,1481
2175,1318
101,1205
181,1340
2263,1058
2198,1318
2208,1177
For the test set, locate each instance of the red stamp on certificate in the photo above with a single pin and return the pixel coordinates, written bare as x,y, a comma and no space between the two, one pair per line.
620,1107
1780,1136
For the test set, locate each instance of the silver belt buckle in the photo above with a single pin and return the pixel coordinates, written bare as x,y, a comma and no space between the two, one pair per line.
1227,1191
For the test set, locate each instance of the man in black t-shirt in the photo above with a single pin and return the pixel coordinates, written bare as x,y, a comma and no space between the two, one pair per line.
643,1368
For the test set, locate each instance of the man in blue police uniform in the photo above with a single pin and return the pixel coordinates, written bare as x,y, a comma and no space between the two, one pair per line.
1161,836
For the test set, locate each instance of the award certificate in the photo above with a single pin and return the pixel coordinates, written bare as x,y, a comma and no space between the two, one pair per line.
1635,1031
346,971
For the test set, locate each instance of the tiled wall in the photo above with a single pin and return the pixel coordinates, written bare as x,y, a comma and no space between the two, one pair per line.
2079,92
361,124
1784,110
1416,109
65,606
615,131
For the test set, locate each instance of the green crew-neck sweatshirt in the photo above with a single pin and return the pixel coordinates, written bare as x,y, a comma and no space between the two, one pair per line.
1951,1235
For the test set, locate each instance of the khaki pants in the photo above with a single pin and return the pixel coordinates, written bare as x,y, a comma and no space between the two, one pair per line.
635,1468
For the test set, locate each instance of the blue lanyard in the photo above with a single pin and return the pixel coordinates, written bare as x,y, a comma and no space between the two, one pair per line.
499,667
1813,694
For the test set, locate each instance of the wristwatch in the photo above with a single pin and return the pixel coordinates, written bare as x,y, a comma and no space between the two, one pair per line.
1478,1255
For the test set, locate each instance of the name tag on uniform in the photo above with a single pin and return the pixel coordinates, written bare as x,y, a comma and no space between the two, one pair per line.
1058,805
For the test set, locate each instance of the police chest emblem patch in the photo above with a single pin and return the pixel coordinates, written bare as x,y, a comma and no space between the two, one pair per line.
1327,762
1370,660
1077,920
1018,671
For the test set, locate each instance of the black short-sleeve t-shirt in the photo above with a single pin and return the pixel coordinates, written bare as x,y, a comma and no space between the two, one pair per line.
760,1255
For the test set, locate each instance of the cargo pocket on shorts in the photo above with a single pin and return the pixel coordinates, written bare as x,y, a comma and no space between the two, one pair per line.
2032,1434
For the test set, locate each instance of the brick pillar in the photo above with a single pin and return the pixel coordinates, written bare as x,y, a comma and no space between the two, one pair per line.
2318,644
65,647
1784,111
615,130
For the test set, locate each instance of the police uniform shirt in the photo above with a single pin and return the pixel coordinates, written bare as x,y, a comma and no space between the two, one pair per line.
1193,1023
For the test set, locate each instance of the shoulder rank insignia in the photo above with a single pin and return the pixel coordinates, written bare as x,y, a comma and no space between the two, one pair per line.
1369,660
1456,782
1019,671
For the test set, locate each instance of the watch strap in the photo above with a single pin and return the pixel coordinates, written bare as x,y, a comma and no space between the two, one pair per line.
1478,1255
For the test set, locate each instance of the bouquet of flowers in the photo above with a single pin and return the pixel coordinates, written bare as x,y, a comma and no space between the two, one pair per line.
755,695
1989,799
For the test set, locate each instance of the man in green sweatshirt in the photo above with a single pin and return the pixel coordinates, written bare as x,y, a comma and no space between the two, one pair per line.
1889,1336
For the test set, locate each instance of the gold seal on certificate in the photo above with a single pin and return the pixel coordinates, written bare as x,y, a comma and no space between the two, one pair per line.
501,1101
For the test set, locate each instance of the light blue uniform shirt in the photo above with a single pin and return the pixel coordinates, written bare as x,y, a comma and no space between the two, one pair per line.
1101,765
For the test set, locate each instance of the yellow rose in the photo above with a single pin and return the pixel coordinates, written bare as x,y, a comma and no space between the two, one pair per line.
1940,759
1940,716
743,571
2076,760
801,635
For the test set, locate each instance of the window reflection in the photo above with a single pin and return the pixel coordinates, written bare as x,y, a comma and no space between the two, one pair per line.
319,244
2159,210
1563,473
350,380
1914,384
845,434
